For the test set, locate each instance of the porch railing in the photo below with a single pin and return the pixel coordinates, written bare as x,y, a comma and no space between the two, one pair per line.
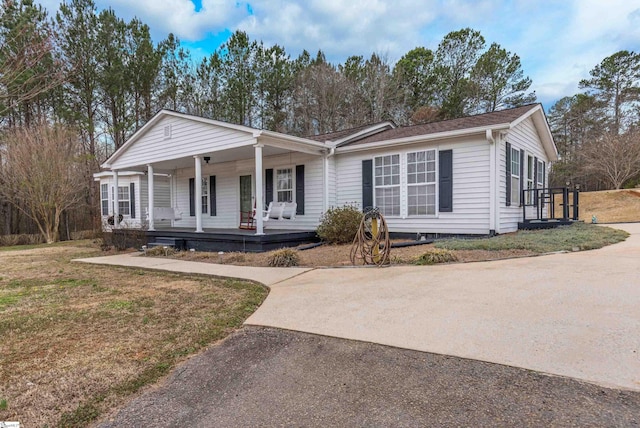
551,203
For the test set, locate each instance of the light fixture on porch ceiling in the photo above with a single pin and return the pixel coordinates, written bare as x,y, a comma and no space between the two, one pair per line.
207,159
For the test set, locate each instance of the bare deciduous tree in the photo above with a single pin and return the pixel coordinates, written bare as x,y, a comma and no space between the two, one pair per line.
614,158
41,174
28,67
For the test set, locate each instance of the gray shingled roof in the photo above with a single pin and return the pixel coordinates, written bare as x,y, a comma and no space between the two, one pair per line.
338,135
477,121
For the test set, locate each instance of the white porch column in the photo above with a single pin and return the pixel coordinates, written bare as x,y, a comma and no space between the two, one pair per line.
198,188
116,200
151,196
259,188
325,196
493,204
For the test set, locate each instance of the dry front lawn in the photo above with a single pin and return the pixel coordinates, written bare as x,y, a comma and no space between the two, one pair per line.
610,206
520,244
79,339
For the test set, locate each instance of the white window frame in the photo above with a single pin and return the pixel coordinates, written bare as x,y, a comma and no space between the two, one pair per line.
421,179
205,194
124,203
104,199
385,180
284,194
530,179
540,177
515,176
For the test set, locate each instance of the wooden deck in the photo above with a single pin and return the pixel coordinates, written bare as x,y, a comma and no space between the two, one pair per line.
230,239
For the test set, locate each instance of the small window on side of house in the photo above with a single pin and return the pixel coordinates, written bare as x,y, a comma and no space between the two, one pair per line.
515,176
124,203
530,170
540,178
104,198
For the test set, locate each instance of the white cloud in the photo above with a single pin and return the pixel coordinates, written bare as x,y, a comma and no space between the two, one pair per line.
591,31
339,28
179,16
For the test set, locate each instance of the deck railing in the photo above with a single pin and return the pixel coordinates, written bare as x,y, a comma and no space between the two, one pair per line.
550,203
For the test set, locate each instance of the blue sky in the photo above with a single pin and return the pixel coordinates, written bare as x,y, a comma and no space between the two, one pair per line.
558,41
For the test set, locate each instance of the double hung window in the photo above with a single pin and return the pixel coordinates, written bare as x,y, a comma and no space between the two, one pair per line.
284,185
515,176
104,198
387,184
124,202
421,183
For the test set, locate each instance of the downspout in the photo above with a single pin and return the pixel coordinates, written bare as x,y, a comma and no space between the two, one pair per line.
332,151
493,187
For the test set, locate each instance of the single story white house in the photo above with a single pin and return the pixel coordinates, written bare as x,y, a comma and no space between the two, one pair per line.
465,176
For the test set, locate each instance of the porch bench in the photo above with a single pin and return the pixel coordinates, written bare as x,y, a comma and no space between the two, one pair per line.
165,213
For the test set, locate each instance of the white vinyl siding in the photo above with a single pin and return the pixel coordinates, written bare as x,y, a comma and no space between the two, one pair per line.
104,198
421,183
523,136
470,213
188,137
228,191
387,184
161,196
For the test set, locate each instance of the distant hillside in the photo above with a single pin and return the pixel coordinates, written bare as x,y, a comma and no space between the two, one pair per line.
610,205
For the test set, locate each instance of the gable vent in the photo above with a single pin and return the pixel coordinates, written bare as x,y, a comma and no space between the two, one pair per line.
167,132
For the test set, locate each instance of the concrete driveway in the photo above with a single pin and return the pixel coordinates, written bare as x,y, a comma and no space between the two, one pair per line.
575,315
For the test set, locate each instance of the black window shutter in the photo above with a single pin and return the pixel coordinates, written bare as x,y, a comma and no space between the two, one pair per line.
544,173
445,181
192,197
300,189
521,176
268,185
132,200
367,183
212,195
508,169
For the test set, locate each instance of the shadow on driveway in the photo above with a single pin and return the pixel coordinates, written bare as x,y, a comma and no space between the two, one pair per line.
270,377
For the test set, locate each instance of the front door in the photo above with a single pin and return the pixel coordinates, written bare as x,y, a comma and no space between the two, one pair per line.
246,196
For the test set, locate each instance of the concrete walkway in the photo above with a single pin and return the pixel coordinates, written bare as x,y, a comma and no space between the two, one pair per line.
575,315
264,275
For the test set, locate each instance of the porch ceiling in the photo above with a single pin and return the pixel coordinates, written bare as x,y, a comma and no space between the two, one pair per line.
229,155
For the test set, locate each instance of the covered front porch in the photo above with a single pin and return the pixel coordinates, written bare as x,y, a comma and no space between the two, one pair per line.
199,177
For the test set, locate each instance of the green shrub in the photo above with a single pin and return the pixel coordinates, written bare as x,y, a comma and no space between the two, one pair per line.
435,256
339,225
285,257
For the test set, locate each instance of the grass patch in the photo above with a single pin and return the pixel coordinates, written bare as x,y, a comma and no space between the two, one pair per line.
79,339
578,236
